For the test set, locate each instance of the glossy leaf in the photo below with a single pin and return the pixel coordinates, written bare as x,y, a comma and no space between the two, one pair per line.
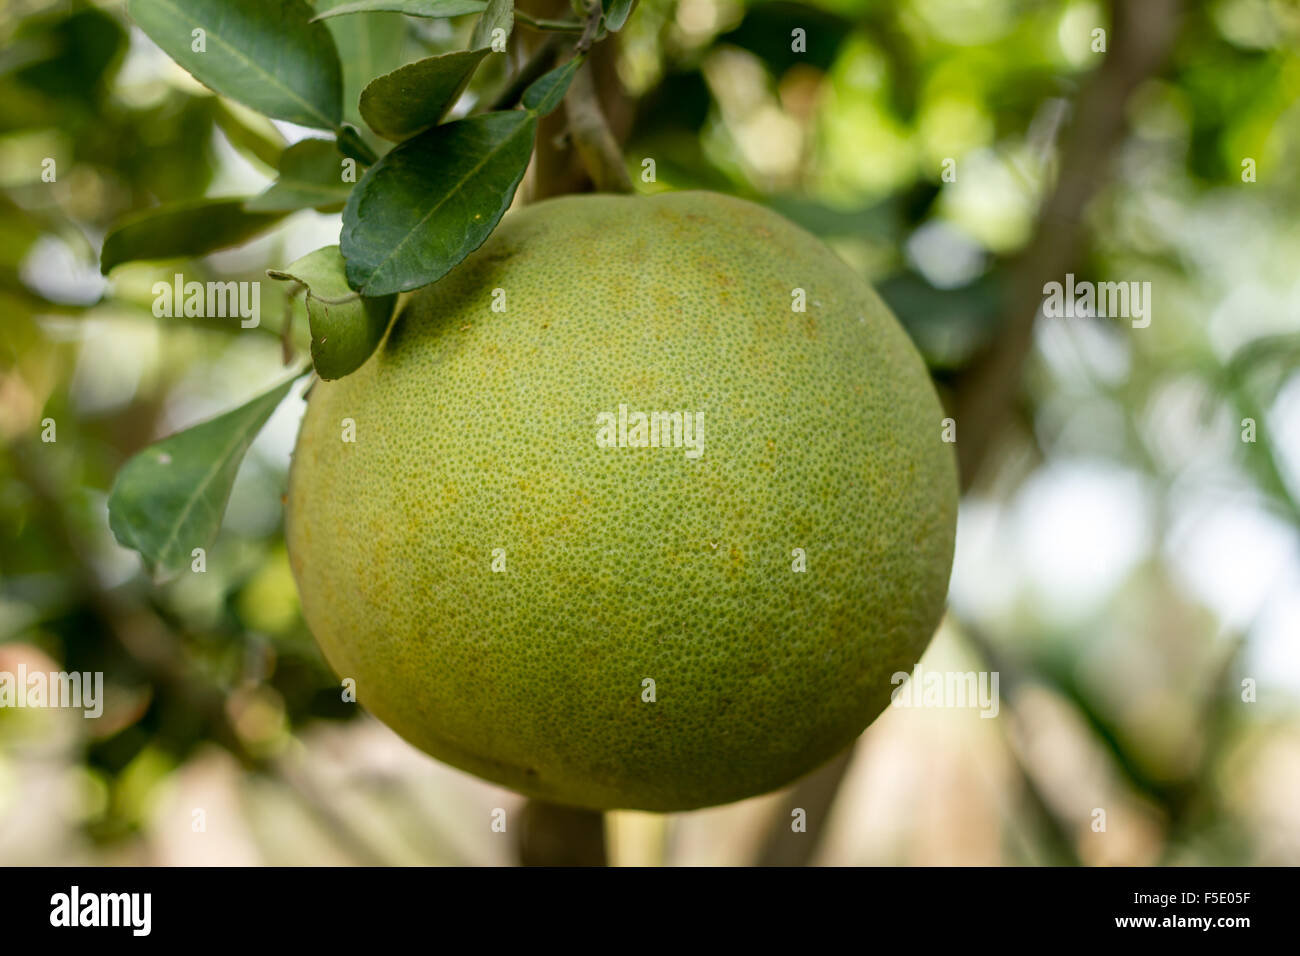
418,95
548,90
311,176
345,327
433,200
412,8
183,230
169,499
266,54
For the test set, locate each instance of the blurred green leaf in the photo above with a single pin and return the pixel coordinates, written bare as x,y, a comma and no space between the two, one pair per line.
266,54
880,221
265,145
164,153
169,499
948,325
369,44
412,8
418,95
433,200
345,327
1277,355
680,102
81,51
19,229
499,15
767,28
311,176
183,230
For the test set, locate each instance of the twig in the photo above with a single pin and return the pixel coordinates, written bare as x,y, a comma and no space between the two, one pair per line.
985,392
591,28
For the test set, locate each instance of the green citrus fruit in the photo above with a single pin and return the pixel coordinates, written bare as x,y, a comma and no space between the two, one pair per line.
526,586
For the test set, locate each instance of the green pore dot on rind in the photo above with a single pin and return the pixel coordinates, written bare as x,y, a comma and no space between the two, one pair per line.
476,445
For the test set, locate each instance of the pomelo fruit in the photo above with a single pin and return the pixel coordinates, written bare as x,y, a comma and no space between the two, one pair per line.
525,586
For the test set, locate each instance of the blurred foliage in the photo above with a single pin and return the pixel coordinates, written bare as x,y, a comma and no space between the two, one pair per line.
848,139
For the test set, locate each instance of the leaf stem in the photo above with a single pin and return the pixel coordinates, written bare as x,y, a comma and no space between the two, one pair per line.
554,26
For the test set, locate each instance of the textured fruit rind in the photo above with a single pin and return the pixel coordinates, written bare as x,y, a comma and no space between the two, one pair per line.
476,431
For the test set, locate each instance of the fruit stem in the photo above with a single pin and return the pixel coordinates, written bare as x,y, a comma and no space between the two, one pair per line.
286,330
552,835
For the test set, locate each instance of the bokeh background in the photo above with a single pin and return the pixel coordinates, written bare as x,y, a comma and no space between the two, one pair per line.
1125,560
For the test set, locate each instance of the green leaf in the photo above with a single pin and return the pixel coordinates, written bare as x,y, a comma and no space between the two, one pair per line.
545,93
68,51
345,327
266,54
311,176
352,145
418,95
183,230
262,142
765,33
412,8
169,498
616,13
499,15
433,200
369,44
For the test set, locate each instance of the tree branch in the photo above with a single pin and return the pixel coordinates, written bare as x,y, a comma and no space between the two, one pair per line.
1141,34
592,137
